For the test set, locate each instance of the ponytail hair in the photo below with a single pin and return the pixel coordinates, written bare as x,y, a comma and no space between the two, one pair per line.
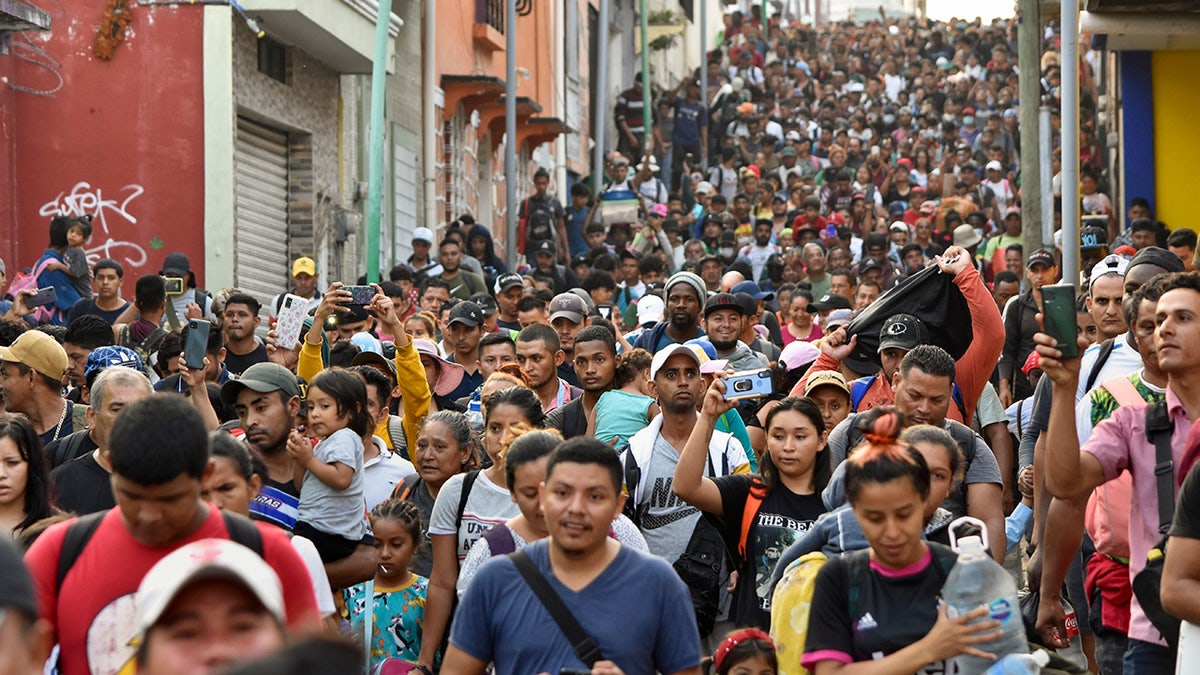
882,457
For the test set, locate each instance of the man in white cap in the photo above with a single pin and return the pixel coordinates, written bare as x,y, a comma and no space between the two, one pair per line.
422,260
667,522
207,606
649,312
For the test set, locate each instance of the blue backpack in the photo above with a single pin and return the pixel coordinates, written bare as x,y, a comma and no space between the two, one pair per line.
859,387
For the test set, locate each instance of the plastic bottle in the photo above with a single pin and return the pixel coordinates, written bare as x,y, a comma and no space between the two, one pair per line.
978,581
1020,664
1074,651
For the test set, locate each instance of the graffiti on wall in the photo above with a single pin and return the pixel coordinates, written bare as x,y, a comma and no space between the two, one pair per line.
108,213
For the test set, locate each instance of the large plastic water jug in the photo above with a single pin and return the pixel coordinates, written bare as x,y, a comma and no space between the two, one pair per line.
978,581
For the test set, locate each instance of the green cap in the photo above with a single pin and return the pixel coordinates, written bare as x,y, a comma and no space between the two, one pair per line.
261,377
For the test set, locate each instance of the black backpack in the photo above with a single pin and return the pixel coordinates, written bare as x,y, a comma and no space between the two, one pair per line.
144,347
539,220
79,533
699,566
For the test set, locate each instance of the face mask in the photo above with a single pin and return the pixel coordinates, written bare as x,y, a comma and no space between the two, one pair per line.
726,252
889,119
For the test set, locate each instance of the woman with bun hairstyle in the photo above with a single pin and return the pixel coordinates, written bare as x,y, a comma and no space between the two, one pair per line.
884,599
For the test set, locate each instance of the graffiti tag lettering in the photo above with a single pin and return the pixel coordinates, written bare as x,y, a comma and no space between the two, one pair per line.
83,199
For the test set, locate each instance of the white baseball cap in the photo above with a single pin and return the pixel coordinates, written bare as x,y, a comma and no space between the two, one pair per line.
650,308
1110,264
661,357
203,560
423,234
994,166
704,188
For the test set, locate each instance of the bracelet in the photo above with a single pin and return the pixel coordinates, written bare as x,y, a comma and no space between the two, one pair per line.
422,669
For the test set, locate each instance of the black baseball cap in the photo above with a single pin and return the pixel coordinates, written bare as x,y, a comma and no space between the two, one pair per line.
1092,238
723,301
467,313
507,281
868,264
1040,257
1153,255
353,314
902,331
545,247
487,304
830,301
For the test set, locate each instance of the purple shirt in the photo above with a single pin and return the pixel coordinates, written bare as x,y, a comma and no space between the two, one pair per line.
1120,444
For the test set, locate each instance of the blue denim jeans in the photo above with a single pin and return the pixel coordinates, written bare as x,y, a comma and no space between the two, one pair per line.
1147,658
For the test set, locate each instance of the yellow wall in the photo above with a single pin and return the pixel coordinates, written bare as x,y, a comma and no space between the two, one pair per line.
1176,143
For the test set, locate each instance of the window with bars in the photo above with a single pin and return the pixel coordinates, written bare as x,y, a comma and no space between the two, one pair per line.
490,12
272,59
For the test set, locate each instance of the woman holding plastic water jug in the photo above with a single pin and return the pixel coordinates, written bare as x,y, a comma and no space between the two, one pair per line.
877,610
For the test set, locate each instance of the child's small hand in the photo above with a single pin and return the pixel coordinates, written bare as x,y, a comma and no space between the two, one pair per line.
299,448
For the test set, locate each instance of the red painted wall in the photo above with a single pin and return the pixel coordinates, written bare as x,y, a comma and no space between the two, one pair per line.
121,139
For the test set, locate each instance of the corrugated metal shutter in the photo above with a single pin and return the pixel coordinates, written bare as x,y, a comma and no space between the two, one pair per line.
404,198
261,228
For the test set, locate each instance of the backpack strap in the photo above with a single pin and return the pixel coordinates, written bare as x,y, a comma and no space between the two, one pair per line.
633,474
1123,391
242,530
749,512
500,540
859,389
468,482
957,396
75,539
67,448
80,532
405,487
1106,350
1158,430
585,647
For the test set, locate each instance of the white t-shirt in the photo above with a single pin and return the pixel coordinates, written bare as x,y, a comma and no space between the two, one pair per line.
382,473
487,506
1005,195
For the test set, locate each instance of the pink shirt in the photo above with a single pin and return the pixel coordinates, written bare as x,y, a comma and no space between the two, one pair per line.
1120,444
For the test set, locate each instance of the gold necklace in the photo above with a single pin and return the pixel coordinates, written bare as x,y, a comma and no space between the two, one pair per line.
61,419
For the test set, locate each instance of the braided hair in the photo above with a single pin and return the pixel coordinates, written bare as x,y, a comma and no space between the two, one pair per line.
401,511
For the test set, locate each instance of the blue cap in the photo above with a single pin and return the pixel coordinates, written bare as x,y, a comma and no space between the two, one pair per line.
752,289
707,346
109,357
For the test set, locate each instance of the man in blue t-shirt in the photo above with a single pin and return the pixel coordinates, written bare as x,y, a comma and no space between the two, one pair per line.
501,620
690,133
577,218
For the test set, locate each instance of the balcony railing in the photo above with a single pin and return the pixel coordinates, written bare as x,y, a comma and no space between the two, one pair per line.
490,12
